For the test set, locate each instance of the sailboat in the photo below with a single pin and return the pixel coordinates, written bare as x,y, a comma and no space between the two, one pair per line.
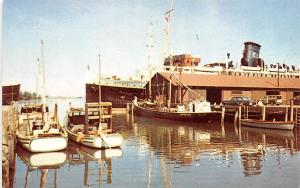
92,126
196,110
37,131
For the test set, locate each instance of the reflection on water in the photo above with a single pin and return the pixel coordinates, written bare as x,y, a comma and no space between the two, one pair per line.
164,153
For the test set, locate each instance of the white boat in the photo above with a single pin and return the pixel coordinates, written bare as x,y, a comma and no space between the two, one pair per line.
42,160
92,135
268,124
93,126
38,132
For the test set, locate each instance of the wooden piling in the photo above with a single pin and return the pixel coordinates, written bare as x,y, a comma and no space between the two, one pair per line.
9,120
236,115
263,113
240,113
223,114
286,114
86,114
132,106
292,110
127,108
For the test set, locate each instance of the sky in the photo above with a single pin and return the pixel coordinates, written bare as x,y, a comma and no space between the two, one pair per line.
76,31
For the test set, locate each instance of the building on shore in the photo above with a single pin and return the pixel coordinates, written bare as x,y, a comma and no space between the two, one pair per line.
217,87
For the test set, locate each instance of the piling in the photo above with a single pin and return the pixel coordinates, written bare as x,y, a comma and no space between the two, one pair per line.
127,108
223,115
9,121
292,110
86,127
132,106
240,113
236,115
286,114
263,113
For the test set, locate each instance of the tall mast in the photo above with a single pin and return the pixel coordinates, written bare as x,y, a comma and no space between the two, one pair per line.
99,83
168,17
166,43
150,46
99,79
42,74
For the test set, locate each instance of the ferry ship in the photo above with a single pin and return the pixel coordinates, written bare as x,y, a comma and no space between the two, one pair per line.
116,90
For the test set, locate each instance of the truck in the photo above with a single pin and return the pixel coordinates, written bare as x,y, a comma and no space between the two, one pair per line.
272,99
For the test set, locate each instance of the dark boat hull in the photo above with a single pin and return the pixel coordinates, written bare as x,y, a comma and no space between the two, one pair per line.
268,124
118,96
178,116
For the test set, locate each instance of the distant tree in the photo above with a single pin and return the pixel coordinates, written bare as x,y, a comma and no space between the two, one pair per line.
26,95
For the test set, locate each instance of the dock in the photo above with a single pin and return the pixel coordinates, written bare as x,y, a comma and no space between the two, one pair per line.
9,122
266,112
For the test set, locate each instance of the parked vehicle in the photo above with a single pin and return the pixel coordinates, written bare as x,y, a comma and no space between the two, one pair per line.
239,101
272,99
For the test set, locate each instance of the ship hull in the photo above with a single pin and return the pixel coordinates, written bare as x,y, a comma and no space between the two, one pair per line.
118,96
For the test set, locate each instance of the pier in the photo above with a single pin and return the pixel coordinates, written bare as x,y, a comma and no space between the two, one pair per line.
9,121
266,112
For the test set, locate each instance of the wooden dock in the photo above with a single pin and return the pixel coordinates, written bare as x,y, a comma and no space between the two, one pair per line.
267,112
9,122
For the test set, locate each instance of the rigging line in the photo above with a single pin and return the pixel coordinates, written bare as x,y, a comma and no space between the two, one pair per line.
186,85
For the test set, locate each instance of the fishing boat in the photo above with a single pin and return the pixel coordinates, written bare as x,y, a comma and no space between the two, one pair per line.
37,130
92,126
268,124
199,110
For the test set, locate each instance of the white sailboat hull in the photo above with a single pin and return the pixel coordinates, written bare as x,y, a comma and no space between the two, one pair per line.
110,140
44,144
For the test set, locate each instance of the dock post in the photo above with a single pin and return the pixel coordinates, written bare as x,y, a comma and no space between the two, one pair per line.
263,113
223,115
127,108
286,114
292,110
132,106
86,126
236,115
240,113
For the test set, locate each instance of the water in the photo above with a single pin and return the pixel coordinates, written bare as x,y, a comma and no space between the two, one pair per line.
162,153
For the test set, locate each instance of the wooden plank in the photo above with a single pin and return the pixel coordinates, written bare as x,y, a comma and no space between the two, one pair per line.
102,117
97,104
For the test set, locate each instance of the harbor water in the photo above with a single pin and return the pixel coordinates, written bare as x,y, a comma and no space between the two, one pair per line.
165,153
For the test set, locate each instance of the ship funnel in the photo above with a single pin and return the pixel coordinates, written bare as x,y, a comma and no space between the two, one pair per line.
250,54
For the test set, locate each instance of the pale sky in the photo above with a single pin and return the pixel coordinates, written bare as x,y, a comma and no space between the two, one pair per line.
75,31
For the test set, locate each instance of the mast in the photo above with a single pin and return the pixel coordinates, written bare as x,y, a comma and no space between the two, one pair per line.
150,46
99,83
41,78
42,75
167,36
167,30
